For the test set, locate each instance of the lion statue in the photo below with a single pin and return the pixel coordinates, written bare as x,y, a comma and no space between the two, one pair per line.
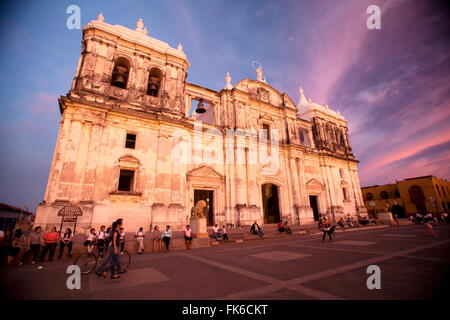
199,210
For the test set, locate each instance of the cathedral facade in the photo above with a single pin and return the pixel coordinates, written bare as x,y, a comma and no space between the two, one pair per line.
138,141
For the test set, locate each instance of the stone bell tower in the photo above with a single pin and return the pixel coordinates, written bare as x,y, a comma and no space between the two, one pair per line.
128,68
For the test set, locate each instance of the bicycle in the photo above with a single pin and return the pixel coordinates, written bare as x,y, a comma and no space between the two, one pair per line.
87,262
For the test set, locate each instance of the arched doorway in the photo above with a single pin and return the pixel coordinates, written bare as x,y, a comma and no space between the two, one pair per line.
418,198
271,204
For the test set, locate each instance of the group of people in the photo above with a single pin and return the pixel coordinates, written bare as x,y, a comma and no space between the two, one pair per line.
429,218
36,243
352,223
284,227
101,239
220,234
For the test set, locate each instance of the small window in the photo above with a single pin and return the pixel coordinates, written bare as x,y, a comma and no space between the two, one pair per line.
303,137
369,196
126,180
266,131
341,173
384,195
130,141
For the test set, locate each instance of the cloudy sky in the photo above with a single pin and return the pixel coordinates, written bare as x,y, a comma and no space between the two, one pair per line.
392,84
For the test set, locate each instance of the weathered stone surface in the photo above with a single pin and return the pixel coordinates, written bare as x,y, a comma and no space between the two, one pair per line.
253,135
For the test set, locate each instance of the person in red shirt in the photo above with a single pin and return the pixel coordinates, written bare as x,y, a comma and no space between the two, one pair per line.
51,239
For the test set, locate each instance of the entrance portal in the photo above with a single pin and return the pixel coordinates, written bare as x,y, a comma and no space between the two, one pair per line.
270,203
314,206
208,197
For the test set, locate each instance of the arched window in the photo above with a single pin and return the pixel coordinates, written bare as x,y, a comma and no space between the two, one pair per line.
369,196
154,82
443,191
397,193
384,195
120,73
418,198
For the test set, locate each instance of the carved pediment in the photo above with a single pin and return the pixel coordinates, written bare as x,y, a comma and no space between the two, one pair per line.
129,161
204,172
314,185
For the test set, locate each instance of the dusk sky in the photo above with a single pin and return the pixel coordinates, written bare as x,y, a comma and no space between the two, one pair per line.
392,84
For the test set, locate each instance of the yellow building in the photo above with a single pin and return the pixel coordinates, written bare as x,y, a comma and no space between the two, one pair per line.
409,196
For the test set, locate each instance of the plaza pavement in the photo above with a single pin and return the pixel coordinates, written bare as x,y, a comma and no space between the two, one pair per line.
413,266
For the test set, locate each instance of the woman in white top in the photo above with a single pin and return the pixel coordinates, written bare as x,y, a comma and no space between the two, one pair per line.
166,237
90,240
140,239
188,236
101,240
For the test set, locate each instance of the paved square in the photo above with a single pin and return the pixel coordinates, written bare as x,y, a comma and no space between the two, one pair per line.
355,243
290,268
393,235
279,256
147,276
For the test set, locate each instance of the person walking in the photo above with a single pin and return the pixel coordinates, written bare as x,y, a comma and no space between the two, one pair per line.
50,242
188,236
16,244
156,239
139,235
166,237
112,262
66,241
33,245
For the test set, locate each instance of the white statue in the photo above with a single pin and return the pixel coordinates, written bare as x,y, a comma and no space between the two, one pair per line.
100,17
228,85
259,73
140,27
180,47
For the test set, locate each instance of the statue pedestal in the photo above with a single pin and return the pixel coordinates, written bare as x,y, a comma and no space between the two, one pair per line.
385,217
198,226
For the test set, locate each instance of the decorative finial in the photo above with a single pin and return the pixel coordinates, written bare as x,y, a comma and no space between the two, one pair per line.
302,101
100,17
180,47
228,85
326,106
145,31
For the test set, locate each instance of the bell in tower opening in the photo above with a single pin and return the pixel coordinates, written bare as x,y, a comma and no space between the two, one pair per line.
120,73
